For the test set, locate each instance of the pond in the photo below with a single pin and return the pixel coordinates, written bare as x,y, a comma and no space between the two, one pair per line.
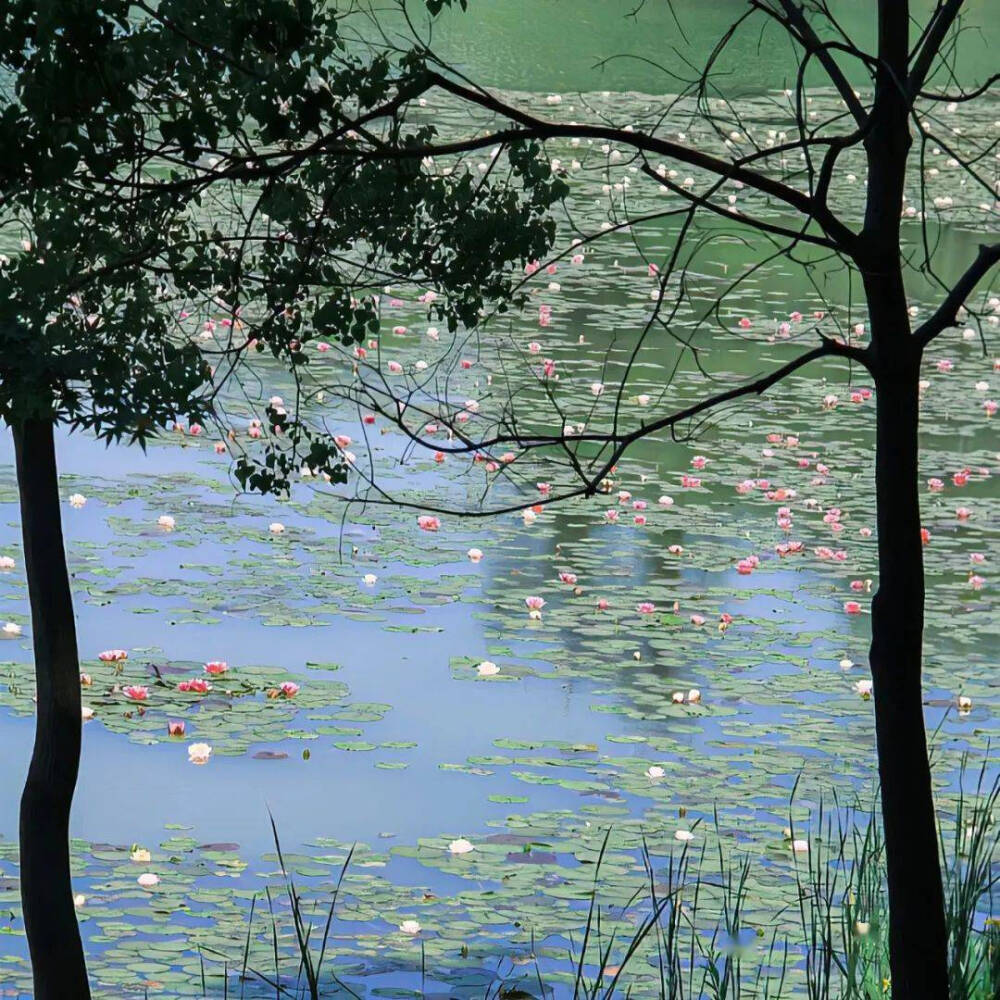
374,687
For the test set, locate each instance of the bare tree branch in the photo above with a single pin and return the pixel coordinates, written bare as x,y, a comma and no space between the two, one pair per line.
731,170
946,314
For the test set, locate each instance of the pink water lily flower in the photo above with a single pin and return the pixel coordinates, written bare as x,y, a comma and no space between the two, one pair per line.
611,516
852,607
177,728
646,608
111,655
197,684
289,689
427,522
699,461
569,578
534,603
136,692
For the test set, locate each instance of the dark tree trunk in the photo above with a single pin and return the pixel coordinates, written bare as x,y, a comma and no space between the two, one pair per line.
60,972
917,934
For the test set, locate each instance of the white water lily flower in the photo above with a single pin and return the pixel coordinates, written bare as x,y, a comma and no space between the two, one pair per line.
964,703
685,835
86,713
141,856
694,696
597,388
148,880
800,846
369,579
410,927
475,555
77,500
864,688
166,521
276,528
460,846
198,753
6,563
79,899
488,669
846,664
655,771
12,628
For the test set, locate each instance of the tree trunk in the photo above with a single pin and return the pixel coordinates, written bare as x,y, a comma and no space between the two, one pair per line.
917,934
60,972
